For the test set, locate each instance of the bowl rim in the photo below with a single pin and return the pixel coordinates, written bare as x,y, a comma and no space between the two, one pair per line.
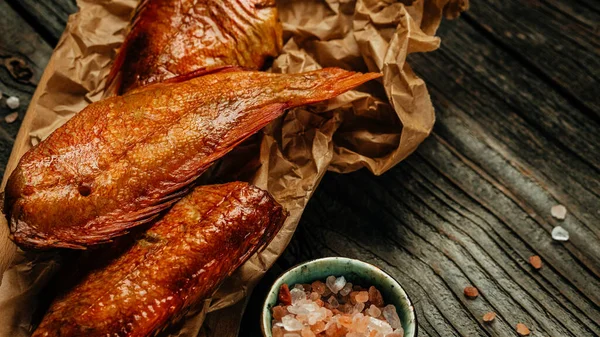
371,266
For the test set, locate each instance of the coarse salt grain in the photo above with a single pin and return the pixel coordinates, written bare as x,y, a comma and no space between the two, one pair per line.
11,118
312,315
558,211
13,102
560,234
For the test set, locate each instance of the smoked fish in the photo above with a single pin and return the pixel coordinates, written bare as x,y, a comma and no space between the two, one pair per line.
121,161
169,38
178,262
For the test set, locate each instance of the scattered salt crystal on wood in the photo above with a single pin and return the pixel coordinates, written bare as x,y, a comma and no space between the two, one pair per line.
559,212
560,234
489,317
391,316
523,330
10,118
535,261
13,102
471,292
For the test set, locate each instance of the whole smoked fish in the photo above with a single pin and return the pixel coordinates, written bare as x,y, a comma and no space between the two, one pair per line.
177,263
169,38
121,161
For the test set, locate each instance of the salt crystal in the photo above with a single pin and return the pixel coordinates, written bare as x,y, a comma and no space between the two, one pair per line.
330,282
396,333
297,295
13,102
391,316
379,325
333,302
299,286
374,311
293,334
318,327
291,324
306,332
10,118
318,287
339,284
277,331
314,296
346,289
362,297
360,323
560,234
355,334
358,307
278,312
375,296
559,212
315,316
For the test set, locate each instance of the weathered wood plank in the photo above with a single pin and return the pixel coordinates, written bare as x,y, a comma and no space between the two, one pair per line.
49,18
23,56
560,44
473,204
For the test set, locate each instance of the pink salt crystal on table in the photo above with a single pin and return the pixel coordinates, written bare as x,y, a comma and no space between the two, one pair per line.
558,211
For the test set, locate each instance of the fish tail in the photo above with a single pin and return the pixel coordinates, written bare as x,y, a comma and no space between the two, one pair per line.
328,83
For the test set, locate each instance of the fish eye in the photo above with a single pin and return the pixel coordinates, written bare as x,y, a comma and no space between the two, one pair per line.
84,190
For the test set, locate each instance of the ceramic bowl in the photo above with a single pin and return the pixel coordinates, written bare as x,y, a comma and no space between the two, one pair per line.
354,271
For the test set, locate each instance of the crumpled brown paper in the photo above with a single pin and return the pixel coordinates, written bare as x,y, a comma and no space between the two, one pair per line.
375,127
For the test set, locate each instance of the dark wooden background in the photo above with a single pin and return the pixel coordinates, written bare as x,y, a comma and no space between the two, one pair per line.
517,95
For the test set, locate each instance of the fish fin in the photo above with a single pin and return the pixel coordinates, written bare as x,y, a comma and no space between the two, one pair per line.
332,82
185,77
113,80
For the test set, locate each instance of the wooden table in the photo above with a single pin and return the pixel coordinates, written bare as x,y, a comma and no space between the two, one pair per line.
516,89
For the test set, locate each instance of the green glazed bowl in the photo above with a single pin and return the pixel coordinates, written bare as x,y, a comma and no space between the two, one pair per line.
354,271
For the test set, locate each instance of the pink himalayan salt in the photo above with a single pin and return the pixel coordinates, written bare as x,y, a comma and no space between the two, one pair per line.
318,287
306,332
362,297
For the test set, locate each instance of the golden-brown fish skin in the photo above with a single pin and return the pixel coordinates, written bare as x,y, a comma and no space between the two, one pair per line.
174,37
123,160
177,263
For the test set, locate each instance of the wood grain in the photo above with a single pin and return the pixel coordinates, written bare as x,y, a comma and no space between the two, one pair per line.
49,18
518,131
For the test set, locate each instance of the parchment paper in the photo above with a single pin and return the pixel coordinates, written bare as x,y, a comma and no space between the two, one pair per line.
374,127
